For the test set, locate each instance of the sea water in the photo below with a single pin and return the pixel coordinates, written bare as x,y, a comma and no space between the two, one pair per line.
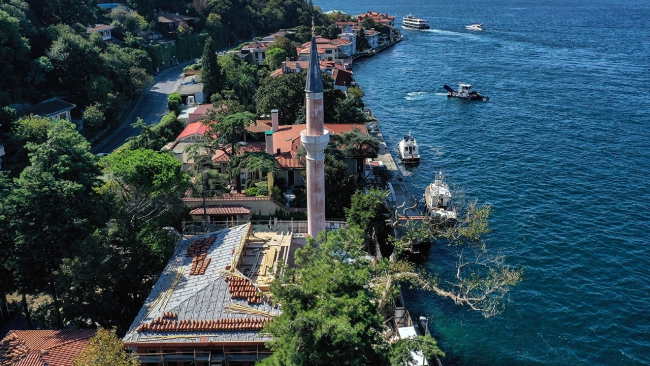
561,152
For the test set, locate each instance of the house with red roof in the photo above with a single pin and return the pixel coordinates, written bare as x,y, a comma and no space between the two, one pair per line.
43,347
283,142
327,49
343,79
379,18
199,113
103,29
255,52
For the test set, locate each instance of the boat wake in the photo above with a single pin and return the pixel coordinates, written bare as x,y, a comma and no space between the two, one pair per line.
416,96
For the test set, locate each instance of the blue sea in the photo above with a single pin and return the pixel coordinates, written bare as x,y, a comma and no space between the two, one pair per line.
561,152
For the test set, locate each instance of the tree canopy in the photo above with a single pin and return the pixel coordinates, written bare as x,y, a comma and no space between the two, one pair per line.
330,315
105,349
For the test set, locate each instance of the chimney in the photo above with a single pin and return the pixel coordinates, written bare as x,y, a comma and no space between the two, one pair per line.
275,123
268,135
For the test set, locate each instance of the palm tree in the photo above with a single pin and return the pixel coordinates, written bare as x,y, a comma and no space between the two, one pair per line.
260,162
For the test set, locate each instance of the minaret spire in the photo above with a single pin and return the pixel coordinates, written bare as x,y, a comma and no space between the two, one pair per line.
315,139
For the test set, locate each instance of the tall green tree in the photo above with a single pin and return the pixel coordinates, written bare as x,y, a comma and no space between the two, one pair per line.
224,133
25,130
340,185
362,42
14,52
74,59
144,183
211,75
52,205
328,314
274,58
284,44
286,93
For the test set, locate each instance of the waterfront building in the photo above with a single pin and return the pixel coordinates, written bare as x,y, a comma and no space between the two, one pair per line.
348,35
379,18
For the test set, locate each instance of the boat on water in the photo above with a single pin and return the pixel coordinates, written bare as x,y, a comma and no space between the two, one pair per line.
437,199
411,22
409,152
464,92
477,27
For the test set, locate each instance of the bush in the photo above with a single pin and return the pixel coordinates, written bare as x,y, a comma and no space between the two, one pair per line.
174,101
192,67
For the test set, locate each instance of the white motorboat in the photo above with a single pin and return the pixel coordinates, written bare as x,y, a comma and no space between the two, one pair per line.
411,22
409,152
437,198
477,27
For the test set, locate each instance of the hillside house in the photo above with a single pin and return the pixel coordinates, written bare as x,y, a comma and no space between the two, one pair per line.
103,29
53,108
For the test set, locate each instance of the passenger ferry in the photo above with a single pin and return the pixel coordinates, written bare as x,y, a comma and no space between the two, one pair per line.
411,22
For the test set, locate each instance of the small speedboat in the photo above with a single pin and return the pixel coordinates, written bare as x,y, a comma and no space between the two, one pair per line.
464,92
477,27
409,152
437,198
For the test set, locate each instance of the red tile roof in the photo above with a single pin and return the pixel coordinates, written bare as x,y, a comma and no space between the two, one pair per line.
222,210
196,128
203,109
260,125
220,156
287,139
342,77
43,347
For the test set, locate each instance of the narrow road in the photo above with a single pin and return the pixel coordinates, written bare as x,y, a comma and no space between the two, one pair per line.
151,106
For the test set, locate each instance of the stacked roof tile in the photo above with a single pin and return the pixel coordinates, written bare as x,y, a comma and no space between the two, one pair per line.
198,251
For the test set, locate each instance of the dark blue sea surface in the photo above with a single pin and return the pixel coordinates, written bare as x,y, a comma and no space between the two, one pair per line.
561,152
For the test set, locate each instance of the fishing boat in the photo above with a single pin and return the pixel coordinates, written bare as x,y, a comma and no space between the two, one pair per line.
477,27
409,152
437,199
411,22
464,92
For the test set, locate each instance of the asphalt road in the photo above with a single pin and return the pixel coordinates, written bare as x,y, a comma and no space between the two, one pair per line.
151,107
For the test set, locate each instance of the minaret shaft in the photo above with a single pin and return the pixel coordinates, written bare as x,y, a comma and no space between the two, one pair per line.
315,139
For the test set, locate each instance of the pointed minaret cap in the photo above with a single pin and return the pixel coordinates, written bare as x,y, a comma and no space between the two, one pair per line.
314,78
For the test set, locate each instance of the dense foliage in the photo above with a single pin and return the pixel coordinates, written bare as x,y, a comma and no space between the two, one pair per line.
330,315
105,349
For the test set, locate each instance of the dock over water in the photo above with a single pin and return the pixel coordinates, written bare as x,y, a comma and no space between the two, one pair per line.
400,198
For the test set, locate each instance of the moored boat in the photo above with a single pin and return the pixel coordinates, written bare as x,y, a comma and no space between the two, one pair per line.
477,27
409,152
437,199
411,22
464,92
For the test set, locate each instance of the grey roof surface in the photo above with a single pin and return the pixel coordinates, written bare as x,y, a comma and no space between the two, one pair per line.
314,78
201,297
189,89
46,109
